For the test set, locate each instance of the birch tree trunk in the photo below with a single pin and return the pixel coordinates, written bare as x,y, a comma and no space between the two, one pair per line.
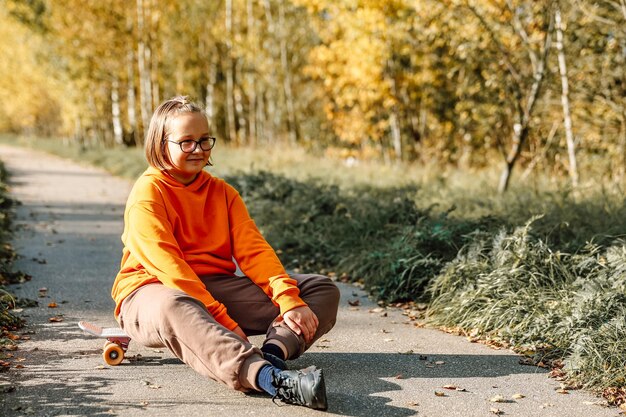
153,50
143,59
230,105
130,97
250,78
239,112
567,119
272,112
287,84
118,133
524,113
210,91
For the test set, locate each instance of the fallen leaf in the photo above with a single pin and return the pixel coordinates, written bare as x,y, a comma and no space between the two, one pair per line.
354,303
450,387
440,394
377,310
497,399
496,411
399,376
412,404
19,366
562,391
439,362
518,396
55,319
461,389
53,305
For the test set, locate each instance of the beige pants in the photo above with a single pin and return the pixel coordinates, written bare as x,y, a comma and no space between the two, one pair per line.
158,316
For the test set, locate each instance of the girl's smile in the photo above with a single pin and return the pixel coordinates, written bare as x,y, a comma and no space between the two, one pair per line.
187,165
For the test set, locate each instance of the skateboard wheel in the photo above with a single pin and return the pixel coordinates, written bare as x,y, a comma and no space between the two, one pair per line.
113,354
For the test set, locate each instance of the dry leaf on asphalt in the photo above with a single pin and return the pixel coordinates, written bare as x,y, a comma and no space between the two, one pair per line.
496,411
518,396
55,319
450,387
497,399
53,305
440,394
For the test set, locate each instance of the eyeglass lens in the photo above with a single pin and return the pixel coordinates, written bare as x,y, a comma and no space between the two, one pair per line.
190,144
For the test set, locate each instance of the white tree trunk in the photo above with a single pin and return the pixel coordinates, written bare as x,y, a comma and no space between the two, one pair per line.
284,62
567,118
210,91
130,96
230,105
118,133
250,78
143,60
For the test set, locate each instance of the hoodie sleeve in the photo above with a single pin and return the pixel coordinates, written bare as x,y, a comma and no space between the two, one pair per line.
150,239
257,259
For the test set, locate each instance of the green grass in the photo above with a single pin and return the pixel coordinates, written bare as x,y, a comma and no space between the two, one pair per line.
518,290
541,268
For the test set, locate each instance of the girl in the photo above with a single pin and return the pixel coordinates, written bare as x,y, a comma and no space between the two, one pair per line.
177,288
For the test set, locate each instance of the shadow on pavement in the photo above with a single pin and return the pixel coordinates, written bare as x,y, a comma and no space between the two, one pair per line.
356,382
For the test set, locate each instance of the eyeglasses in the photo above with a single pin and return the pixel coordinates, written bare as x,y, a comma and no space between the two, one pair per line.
190,145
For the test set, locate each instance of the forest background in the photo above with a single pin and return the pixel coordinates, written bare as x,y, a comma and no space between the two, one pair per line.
479,146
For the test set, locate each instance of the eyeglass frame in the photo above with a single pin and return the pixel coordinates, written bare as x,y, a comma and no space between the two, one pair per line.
196,144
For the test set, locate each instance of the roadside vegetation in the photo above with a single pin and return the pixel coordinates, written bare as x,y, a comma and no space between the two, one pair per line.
540,269
8,321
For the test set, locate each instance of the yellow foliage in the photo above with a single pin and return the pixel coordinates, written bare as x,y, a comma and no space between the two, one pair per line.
29,97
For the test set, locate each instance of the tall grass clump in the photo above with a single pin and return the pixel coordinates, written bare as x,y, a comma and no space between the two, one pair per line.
515,289
7,256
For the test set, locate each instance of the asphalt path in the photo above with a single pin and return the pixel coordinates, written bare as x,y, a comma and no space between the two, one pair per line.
376,362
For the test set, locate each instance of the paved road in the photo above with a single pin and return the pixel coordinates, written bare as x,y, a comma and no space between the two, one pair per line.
68,235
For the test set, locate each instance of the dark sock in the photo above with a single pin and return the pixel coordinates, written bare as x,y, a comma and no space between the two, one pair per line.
264,379
274,350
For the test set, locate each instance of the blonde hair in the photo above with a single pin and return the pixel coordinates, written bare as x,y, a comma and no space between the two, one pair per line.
156,138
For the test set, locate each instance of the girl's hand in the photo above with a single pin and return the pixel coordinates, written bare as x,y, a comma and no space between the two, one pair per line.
302,320
237,330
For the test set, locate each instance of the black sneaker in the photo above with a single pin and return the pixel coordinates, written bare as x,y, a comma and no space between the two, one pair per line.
304,387
275,361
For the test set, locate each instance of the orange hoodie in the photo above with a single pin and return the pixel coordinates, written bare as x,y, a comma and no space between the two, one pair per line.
174,233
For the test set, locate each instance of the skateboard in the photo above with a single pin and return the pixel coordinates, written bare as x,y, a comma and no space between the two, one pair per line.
116,341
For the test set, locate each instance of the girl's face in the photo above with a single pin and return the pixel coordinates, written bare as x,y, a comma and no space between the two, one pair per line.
187,126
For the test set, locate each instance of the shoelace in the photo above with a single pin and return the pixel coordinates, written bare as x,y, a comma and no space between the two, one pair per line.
285,389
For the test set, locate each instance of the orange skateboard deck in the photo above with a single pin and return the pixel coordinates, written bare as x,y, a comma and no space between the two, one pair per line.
116,341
